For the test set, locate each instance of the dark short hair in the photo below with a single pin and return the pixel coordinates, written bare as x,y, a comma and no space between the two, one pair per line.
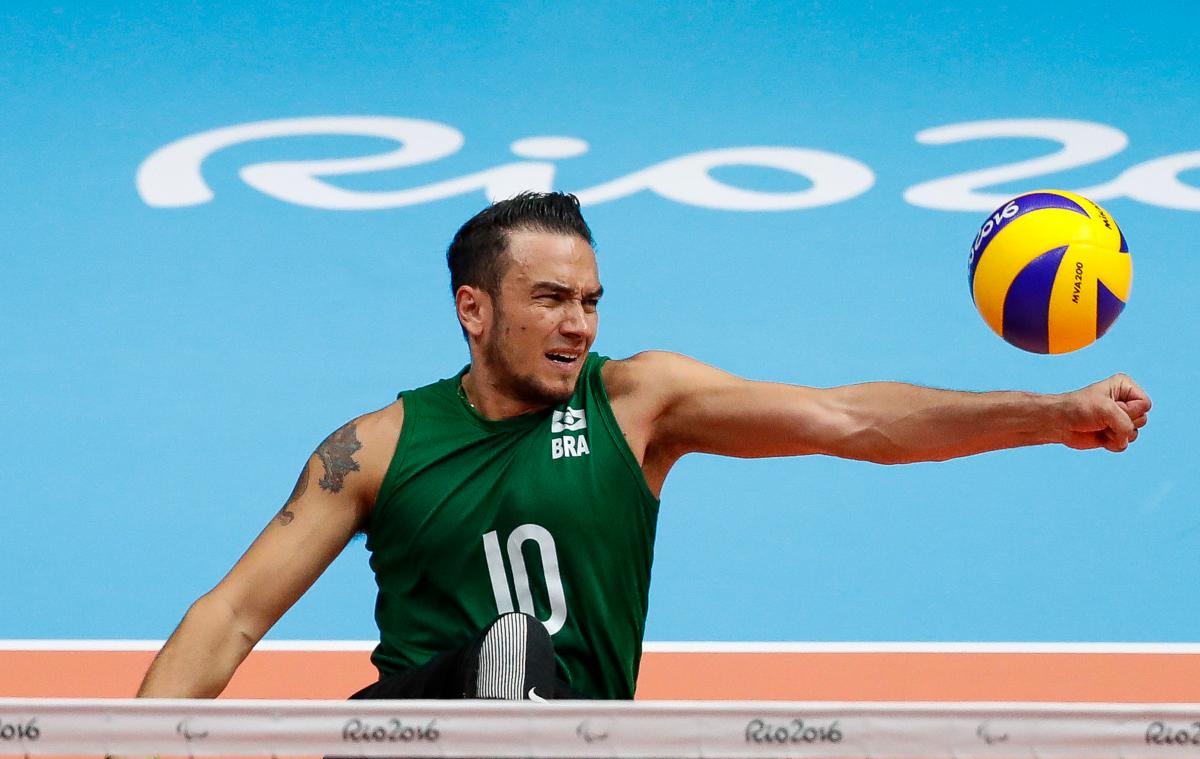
476,255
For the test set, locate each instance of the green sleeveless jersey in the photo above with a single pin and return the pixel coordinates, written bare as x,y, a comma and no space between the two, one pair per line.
546,513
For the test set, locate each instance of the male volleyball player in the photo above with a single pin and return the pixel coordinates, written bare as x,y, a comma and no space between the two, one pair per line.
529,481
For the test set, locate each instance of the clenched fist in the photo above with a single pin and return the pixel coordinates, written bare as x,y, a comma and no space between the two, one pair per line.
1107,414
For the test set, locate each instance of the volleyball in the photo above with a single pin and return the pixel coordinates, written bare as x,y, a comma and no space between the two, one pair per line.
1050,271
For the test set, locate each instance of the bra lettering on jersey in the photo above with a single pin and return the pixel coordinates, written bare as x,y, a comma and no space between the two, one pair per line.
569,446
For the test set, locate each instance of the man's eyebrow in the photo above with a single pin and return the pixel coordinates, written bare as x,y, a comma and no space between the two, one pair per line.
557,287
560,289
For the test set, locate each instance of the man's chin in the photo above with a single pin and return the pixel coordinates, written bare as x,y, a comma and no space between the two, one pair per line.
560,394
548,394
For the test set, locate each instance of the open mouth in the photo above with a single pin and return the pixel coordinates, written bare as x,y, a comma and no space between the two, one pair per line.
565,359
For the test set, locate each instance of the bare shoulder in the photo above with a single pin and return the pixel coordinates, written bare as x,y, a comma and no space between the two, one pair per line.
374,429
643,374
384,423
659,376
644,390
358,453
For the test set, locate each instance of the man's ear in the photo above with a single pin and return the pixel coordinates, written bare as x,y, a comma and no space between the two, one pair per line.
474,307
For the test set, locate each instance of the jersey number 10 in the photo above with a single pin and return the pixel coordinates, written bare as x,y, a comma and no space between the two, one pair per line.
520,574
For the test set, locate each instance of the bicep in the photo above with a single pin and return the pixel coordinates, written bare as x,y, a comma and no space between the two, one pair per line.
707,410
752,419
291,552
329,503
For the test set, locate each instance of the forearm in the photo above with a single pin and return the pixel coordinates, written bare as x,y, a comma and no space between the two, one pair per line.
692,407
202,654
894,423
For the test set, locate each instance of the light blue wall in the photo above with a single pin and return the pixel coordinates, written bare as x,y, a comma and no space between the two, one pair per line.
165,371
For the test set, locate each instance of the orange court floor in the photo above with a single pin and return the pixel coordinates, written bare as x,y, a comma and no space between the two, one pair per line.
1009,672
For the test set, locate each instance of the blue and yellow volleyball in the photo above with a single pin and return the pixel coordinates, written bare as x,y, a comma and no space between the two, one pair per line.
1050,271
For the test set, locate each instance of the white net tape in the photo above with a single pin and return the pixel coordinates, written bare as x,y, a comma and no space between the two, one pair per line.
568,729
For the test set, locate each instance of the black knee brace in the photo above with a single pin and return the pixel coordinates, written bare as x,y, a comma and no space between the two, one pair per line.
514,660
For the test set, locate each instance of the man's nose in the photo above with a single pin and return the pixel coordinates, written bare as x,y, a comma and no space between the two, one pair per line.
574,321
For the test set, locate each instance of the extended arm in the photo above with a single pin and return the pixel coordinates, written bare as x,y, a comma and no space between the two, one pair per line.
706,410
330,502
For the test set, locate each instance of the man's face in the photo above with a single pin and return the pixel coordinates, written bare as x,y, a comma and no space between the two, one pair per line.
544,317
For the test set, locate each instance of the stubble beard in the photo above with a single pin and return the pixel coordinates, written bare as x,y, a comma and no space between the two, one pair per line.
523,386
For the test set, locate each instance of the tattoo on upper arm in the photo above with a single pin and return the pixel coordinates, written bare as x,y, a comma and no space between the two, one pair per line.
337,454
285,516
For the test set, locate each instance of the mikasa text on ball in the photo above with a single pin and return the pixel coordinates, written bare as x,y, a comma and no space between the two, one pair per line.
1050,271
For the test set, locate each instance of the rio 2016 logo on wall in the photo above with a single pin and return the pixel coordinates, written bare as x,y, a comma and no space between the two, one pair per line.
171,176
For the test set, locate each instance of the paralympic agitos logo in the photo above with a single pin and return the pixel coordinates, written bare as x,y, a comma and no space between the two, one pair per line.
171,177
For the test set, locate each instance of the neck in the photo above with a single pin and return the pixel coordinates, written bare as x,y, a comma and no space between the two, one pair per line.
491,400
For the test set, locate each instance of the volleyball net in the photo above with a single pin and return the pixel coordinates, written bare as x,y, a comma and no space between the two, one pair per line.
585,729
